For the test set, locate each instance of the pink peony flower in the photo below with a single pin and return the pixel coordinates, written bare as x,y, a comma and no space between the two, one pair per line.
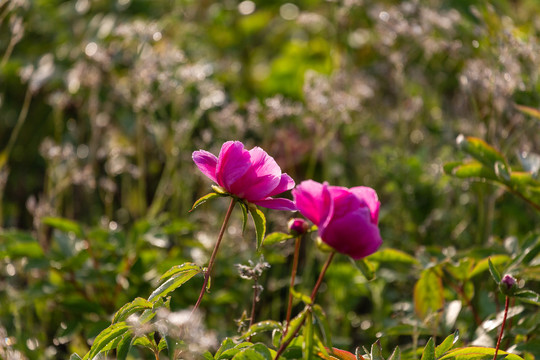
250,175
347,218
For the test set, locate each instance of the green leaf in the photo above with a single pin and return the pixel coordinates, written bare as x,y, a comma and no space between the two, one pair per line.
276,237
75,357
269,325
225,345
295,324
230,353
244,215
204,199
481,151
428,294
392,256
105,337
494,272
483,265
478,353
446,345
260,223
306,299
307,346
124,346
249,354
396,354
174,282
528,296
366,268
125,311
180,269
64,225
471,169
376,351
17,244
324,326
429,350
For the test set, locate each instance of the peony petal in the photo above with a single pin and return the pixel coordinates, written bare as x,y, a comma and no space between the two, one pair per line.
354,234
369,196
312,200
286,183
233,163
276,204
206,162
261,179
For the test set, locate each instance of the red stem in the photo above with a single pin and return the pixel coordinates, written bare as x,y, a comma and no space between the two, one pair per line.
214,253
506,305
293,276
313,295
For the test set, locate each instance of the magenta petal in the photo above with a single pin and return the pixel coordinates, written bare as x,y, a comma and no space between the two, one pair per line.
233,162
354,234
261,179
206,162
369,196
276,204
310,199
285,183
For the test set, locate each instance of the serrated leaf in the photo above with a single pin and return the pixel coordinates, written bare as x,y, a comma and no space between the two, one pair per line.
173,283
260,224
392,256
446,345
128,309
105,337
204,199
376,351
494,272
179,269
307,346
429,351
276,237
366,267
64,225
428,294
478,353
269,325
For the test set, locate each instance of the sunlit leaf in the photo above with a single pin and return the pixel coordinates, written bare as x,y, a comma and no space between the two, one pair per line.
366,268
481,151
428,294
483,265
225,345
185,267
308,345
244,216
429,350
260,224
392,256
494,272
470,169
276,237
528,296
130,308
124,346
295,324
64,225
528,110
478,353
105,337
174,282
204,199
268,325
446,345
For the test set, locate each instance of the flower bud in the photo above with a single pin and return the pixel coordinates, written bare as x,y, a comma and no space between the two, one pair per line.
298,226
508,285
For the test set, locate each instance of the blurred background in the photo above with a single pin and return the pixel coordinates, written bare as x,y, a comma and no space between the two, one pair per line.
103,102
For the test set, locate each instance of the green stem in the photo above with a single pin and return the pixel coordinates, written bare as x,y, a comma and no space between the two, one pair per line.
313,295
214,253
293,276
506,306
